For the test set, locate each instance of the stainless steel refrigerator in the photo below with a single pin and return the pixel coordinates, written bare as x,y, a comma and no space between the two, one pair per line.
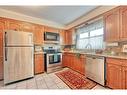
18,56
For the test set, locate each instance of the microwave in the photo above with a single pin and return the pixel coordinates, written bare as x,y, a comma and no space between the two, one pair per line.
49,36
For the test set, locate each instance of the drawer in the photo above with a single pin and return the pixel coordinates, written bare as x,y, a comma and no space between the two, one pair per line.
114,61
124,62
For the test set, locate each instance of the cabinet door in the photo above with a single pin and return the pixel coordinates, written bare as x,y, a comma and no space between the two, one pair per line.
2,28
50,29
112,27
78,64
68,37
123,16
39,34
64,60
13,25
124,78
114,76
27,27
70,61
39,63
82,68
62,37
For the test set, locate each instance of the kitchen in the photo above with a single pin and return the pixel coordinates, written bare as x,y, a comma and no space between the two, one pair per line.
92,49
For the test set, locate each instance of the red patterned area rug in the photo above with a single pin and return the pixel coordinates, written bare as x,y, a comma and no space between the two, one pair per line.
75,80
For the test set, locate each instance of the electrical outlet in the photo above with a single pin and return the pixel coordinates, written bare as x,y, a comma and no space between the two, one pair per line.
125,48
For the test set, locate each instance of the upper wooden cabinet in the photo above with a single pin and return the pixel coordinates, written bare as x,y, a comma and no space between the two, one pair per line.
112,25
3,24
13,25
116,24
38,34
70,36
123,23
27,27
62,37
50,29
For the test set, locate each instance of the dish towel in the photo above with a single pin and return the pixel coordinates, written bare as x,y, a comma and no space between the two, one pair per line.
55,57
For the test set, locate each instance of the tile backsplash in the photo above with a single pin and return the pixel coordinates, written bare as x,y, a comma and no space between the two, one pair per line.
116,49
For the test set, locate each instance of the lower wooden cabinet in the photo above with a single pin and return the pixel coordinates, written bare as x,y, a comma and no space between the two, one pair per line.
1,68
38,63
116,73
114,76
72,61
125,77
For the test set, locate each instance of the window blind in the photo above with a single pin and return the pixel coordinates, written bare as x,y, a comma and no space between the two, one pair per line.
91,35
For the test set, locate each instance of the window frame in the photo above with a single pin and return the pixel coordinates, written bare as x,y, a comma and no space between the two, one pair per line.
88,38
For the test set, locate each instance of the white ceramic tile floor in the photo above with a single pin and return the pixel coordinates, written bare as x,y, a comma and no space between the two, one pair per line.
42,81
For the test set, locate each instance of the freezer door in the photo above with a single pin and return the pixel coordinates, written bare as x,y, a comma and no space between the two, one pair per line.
16,38
18,64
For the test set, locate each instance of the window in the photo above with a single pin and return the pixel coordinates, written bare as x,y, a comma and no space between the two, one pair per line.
90,36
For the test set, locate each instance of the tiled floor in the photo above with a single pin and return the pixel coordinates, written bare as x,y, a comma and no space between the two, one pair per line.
41,81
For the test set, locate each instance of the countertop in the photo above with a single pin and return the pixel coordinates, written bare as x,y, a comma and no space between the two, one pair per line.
39,52
103,54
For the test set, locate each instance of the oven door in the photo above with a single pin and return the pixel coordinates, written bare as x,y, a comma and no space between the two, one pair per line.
54,59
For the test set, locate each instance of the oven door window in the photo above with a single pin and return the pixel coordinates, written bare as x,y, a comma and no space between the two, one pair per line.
54,59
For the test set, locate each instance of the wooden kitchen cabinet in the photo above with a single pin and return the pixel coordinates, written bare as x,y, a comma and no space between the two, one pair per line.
50,29
116,73
123,25
112,25
124,73
124,77
115,24
27,27
70,36
78,64
1,68
13,25
62,37
38,34
38,63
66,60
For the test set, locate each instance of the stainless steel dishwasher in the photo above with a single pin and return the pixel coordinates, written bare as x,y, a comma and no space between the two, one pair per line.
95,68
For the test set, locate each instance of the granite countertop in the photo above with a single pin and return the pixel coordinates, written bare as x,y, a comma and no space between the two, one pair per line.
103,54
40,52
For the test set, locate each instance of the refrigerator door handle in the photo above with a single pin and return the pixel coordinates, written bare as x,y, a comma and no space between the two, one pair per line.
5,39
6,50
5,46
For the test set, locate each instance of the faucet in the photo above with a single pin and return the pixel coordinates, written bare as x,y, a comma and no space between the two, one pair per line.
88,46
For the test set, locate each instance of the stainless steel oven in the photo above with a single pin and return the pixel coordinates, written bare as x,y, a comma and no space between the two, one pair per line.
53,58
49,36
53,61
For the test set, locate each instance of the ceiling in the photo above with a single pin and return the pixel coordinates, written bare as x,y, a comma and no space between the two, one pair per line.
60,14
